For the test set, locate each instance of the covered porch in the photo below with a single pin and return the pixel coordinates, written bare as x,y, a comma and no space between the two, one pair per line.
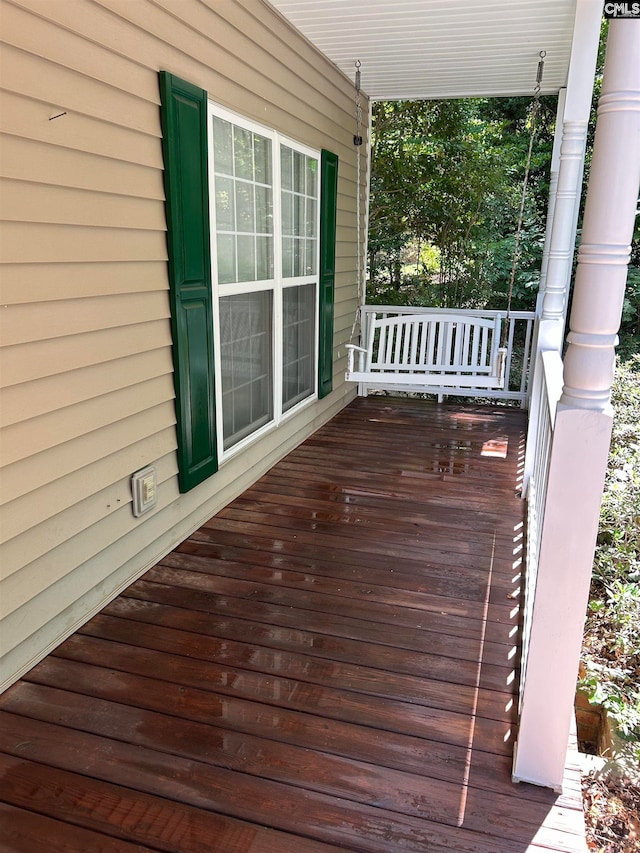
422,50
330,663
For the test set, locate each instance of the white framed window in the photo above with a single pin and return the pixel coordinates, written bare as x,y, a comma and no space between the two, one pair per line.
264,193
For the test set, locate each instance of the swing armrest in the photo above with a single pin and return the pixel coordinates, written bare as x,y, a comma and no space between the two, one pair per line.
351,349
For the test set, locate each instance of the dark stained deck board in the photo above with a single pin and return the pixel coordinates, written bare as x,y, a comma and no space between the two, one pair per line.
376,584
305,697
417,561
117,815
408,640
276,510
26,831
406,540
411,623
259,655
327,665
277,484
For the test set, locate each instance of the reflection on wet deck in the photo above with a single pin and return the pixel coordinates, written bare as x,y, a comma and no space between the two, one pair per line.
330,663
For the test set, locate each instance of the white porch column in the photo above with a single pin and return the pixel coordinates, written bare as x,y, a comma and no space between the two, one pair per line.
584,54
562,218
583,420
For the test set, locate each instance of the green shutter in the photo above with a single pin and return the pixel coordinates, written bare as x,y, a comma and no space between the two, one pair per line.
184,144
328,206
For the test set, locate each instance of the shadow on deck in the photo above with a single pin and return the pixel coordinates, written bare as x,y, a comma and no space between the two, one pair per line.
330,663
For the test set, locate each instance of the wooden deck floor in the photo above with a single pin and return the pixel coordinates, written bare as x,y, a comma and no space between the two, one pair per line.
329,664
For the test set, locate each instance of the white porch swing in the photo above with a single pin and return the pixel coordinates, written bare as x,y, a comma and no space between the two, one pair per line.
433,350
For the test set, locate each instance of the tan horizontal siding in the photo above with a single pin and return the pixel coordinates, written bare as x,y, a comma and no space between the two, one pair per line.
28,400
345,265
41,37
28,201
91,510
46,432
27,74
346,228
23,323
25,283
290,52
49,244
49,568
38,470
24,513
34,120
51,164
346,303
29,361
84,311
265,77
344,318
277,63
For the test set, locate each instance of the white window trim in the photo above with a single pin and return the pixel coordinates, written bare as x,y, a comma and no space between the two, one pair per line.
276,285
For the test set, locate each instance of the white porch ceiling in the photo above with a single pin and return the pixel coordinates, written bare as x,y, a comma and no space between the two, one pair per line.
411,49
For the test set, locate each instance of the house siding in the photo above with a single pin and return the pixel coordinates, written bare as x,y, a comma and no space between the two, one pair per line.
87,381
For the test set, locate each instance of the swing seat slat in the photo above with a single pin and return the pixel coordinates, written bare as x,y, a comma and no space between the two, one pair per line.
430,350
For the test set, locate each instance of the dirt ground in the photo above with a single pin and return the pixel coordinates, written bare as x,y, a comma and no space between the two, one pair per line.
612,815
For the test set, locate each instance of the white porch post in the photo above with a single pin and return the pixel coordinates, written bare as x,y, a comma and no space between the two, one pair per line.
584,54
574,107
583,419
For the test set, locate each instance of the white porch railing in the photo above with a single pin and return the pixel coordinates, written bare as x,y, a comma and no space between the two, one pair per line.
550,389
519,339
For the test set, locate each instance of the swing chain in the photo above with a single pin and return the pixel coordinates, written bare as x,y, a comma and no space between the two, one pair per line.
357,141
535,108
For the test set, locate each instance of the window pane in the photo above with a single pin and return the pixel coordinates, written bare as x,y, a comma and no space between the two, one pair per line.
246,348
225,207
222,146
264,210
299,213
246,258
298,344
287,257
264,258
299,171
287,213
310,257
298,257
312,177
244,207
311,218
286,168
226,258
262,159
244,203
243,153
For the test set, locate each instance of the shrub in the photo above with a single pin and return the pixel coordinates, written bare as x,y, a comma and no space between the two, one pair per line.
611,653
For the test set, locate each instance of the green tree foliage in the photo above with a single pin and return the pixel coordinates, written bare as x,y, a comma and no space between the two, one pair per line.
448,175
